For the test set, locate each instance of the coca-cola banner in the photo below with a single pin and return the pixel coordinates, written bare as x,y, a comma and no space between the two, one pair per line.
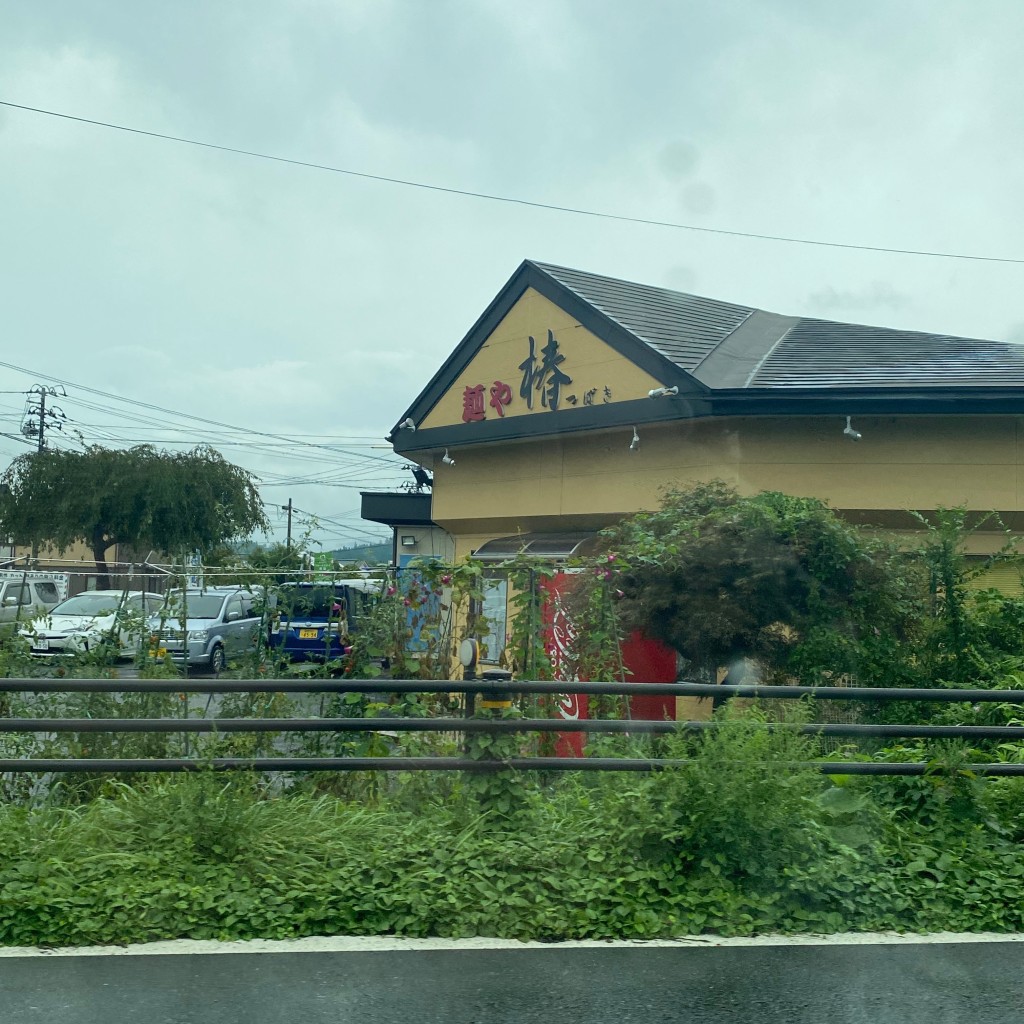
558,643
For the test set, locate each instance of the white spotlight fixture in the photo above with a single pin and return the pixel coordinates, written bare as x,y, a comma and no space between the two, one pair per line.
407,424
635,443
663,392
852,434
447,459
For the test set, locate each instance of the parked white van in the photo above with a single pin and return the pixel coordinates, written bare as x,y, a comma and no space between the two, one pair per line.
26,595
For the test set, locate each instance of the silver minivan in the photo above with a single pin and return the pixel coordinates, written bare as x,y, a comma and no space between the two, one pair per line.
214,625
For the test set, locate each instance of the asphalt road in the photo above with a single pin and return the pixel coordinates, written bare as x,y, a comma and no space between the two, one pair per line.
938,983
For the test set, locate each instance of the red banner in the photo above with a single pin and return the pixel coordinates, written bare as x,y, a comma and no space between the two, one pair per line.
558,641
645,661
649,661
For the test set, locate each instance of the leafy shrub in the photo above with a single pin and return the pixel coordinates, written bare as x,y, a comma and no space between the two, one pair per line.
737,842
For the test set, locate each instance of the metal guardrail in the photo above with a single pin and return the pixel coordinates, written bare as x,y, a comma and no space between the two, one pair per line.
306,685
493,725
437,764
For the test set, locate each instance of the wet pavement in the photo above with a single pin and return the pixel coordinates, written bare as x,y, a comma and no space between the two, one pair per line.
785,983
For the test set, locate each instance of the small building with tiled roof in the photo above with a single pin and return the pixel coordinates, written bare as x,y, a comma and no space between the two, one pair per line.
575,399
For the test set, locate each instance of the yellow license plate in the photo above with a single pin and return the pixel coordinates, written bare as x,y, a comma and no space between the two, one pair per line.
160,652
308,634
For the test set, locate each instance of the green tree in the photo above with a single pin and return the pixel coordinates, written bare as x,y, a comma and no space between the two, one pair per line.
773,577
276,563
972,632
138,496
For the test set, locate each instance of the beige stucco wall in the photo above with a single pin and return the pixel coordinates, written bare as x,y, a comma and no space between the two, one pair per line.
588,479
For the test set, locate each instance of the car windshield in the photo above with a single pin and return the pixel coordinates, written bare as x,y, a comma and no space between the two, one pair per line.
89,604
196,606
311,602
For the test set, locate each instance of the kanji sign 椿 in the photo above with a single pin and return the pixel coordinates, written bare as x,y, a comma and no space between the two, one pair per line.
542,374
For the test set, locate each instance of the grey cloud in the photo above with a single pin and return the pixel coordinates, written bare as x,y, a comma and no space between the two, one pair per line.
678,159
698,198
876,295
680,278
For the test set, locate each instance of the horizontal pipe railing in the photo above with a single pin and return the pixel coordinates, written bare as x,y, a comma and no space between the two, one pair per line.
430,764
487,725
503,688
507,688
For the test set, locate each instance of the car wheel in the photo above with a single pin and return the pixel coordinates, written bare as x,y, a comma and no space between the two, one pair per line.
217,660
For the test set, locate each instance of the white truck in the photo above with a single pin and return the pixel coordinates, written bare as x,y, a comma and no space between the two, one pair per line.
27,594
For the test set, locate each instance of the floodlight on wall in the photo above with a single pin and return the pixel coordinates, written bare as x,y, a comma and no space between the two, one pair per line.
852,434
635,443
663,392
447,459
408,540
407,424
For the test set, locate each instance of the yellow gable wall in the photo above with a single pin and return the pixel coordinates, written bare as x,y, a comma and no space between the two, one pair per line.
592,365
589,479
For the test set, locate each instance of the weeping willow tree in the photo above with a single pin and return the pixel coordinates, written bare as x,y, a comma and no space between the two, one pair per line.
141,497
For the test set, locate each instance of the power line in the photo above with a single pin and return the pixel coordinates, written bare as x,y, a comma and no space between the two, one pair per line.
341,468
495,198
360,473
190,416
342,461
319,519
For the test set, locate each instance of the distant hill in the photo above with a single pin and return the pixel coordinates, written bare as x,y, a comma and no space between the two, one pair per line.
372,554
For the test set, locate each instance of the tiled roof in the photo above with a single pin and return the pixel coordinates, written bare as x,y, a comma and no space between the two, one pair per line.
684,328
725,345
825,354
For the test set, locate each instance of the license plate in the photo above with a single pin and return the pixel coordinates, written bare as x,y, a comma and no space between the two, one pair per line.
308,634
41,644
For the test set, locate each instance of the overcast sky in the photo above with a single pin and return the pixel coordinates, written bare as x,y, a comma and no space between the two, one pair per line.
314,306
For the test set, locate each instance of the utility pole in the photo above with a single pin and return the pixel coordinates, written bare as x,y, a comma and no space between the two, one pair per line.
44,420
39,419
288,508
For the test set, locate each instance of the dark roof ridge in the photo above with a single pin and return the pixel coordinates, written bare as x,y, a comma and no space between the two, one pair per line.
549,267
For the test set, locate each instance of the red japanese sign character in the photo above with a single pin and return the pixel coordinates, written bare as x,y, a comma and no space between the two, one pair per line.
473,404
501,395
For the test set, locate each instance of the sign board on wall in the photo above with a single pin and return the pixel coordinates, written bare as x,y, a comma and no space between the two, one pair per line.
542,383
538,361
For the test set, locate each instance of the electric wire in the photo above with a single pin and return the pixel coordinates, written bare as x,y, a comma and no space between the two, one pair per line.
183,415
345,472
513,200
